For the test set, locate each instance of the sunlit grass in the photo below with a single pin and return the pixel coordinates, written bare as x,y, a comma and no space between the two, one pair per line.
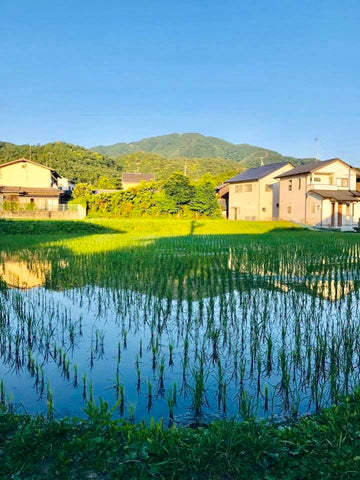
142,232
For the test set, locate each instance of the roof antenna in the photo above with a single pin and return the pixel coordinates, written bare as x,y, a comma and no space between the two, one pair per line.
317,145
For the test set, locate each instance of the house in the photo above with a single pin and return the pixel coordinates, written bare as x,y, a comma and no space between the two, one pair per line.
222,192
254,194
26,182
323,194
130,180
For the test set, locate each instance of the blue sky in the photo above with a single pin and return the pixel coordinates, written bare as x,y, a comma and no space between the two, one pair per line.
273,73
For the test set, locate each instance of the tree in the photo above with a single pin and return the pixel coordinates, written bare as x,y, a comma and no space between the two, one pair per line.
204,200
83,190
179,189
105,183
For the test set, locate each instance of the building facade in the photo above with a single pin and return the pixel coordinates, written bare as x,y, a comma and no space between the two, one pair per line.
323,194
254,194
32,185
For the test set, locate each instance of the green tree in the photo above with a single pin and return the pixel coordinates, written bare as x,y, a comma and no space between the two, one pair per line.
105,182
179,189
204,200
83,191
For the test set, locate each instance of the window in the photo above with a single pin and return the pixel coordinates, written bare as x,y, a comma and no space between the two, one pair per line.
263,209
313,208
268,188
317,179
238,188
299,184
248,187
289,209
342,182
290,185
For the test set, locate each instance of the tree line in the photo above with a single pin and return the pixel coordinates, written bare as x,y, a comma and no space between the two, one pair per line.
176,196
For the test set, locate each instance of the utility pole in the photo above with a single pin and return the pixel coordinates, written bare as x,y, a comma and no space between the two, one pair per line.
261,158
185,168
317,145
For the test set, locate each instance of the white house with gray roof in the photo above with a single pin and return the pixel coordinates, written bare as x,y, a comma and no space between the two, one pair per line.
324,194
254,194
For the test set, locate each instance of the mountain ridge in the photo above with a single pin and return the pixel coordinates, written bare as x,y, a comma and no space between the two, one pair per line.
196,145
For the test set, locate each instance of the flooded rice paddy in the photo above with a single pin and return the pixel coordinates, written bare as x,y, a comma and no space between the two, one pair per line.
187,328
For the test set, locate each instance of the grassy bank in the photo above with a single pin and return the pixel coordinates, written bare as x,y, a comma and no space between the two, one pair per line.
326,446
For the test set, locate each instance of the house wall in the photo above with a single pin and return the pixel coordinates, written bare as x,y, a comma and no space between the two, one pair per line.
269,200
259,204
25,175
244,205
326,213
332,172
41,203
326,178
292,202
127,185
356,217
314,212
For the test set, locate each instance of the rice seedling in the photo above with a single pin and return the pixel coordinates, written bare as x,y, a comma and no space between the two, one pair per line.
251,324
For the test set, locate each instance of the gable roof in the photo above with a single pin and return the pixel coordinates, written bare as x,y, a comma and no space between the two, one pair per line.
25,160
256,173
137,177
310,167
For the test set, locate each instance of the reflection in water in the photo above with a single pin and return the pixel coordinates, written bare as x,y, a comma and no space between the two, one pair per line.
23,274
185,326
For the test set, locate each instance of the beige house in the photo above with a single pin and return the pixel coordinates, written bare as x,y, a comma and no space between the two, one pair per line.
323,194
26,182
130,180
254,194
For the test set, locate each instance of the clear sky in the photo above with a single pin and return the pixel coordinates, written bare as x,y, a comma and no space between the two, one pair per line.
272,73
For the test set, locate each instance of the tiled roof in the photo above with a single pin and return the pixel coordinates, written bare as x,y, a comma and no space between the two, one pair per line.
309,167
137,177
257,172
338,195
33,192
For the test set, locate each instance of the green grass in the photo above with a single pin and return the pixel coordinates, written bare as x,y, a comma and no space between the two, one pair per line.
96,235
326,446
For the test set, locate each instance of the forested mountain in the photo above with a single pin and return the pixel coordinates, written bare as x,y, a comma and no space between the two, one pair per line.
71,161
163,167
194,145
83,165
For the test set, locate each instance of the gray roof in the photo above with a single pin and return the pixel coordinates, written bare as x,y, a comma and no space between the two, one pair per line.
338,195
256,173
137,177
308,167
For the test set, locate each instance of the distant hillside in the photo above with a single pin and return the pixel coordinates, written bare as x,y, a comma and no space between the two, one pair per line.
83,165
163,167
194,145
71,161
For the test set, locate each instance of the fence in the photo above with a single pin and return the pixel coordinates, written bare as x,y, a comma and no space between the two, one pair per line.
59,212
